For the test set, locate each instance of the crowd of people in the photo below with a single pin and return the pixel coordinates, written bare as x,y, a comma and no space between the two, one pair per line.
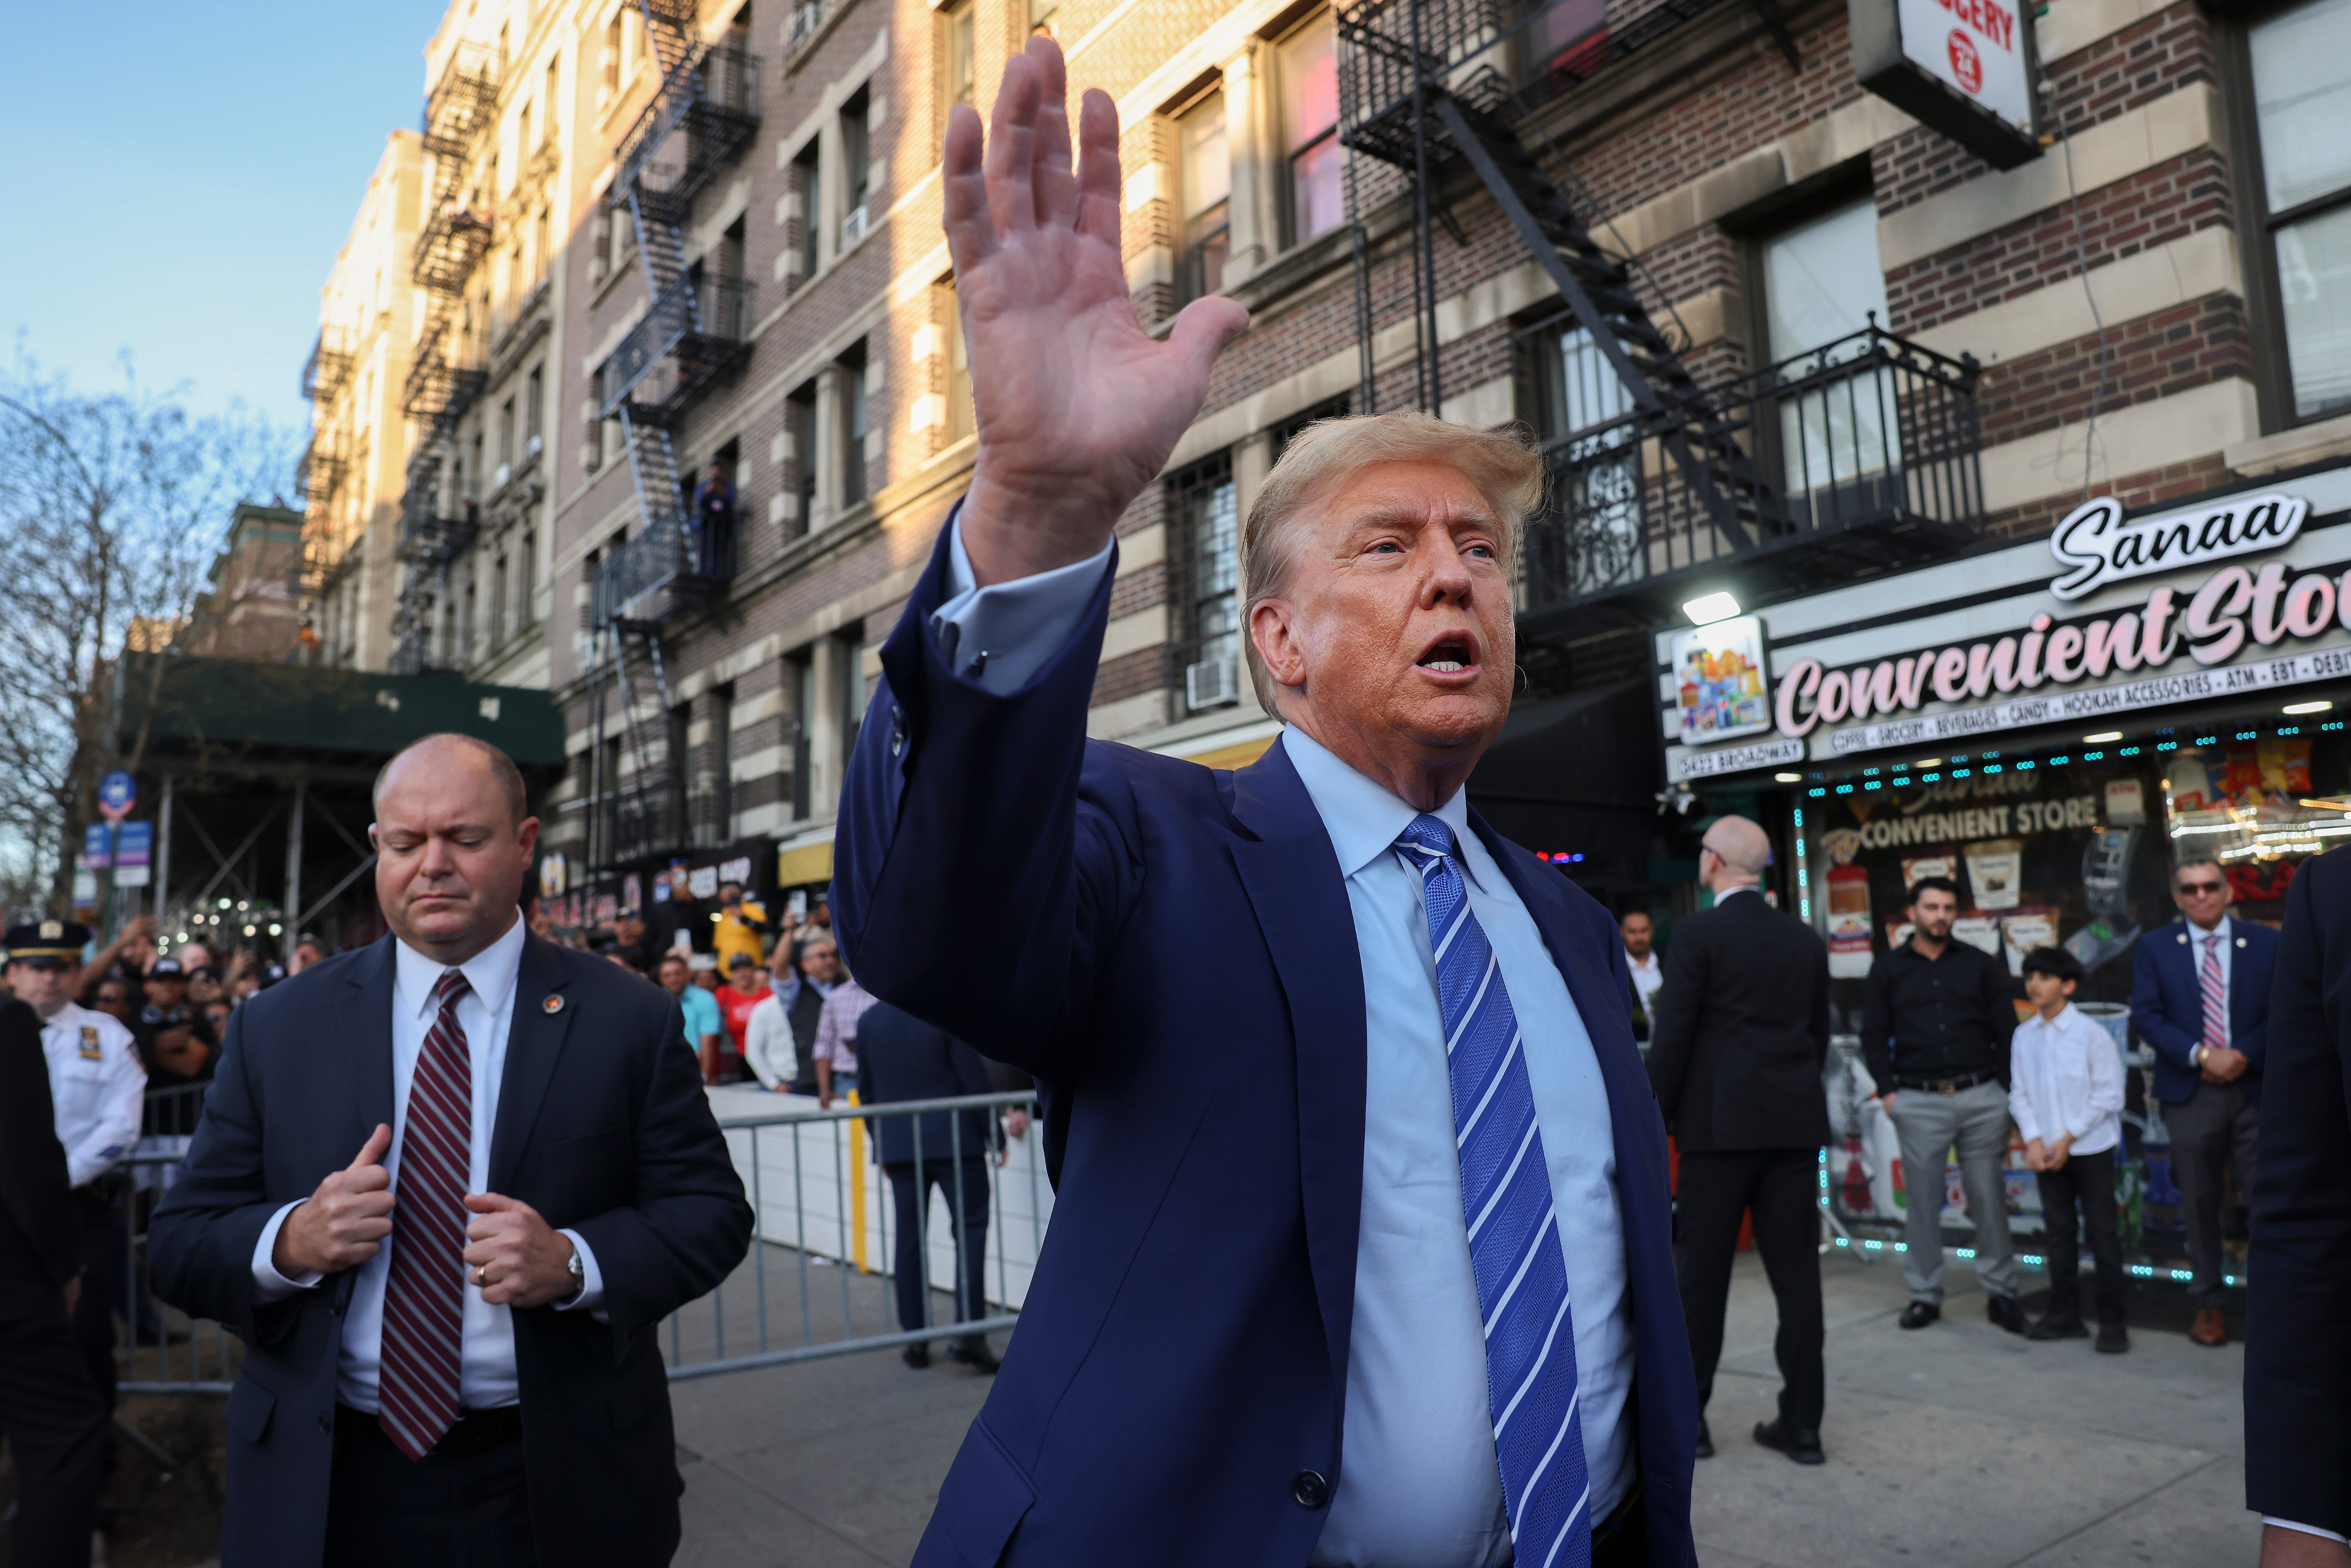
1735,1019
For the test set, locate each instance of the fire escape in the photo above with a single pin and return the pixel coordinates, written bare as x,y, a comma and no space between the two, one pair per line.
319,471
1854,451
696,330
443,378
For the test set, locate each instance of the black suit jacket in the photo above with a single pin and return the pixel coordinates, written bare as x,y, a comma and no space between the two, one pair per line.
2298,1307
40,1227
901,1058
602,1127
1742,1032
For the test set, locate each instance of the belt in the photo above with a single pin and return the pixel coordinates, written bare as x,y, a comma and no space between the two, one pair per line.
474,1431
1943,1085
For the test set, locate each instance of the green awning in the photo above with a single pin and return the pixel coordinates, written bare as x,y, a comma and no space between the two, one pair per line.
233,703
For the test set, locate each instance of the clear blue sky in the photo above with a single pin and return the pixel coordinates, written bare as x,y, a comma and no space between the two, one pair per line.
175,180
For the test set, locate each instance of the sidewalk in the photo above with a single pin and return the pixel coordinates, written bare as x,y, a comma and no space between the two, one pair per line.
1958,1445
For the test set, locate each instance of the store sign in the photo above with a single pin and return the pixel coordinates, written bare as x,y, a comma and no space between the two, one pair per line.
1960,66
1722,682
1682,762
2096,547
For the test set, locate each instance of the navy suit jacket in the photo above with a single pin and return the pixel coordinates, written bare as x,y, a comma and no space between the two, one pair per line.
1169,949
2168,1003
602,1127
2298,1305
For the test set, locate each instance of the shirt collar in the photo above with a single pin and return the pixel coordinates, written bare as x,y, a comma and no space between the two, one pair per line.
1729,892
2198,935
1363,818
491,973
2066,1018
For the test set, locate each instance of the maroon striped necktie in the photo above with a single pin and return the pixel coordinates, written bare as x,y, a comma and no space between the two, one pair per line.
424,1301
2216,994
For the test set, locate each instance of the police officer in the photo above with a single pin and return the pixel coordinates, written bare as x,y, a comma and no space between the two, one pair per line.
54,1425
100,1090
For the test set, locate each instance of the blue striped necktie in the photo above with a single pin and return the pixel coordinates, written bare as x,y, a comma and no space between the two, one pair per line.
1506,1202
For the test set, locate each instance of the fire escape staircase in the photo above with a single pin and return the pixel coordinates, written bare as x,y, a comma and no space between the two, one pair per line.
696,330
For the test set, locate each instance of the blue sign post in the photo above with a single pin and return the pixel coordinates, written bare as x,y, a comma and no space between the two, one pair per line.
117,794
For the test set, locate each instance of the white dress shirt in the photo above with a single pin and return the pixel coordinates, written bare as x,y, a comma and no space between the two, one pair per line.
769,1048
2066,1077
1648,974
97,1088
1420,1484
485,1376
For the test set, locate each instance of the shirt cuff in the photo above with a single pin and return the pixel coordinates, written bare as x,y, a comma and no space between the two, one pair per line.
269,1284
2305,1529
997,637
590,1299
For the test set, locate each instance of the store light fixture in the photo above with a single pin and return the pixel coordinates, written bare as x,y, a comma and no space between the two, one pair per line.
1787,779
1709,608
2319,706
1928,762
2103,737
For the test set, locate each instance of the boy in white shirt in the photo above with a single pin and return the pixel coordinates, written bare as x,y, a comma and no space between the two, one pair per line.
2066,1094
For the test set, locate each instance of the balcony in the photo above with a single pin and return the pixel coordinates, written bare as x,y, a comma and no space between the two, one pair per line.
716,108
698,331
438,388
320,470
674,554
1876,441
329,366
452,245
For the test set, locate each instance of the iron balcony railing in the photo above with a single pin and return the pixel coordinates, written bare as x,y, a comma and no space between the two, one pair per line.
646,816
438,388
675,548
1874,443
329,366
700,327
715,106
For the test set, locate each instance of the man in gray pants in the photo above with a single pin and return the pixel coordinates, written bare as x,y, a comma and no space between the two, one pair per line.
1935,1033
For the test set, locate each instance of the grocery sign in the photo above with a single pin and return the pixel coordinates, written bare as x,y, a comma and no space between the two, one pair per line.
1960,66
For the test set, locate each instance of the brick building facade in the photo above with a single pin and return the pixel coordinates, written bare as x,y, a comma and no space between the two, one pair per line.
2147,302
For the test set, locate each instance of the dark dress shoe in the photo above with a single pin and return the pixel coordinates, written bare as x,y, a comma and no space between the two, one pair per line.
1919,1314
2113,1339
974,1353
1704,1440
2055,1327
1796,1442
917,1357
2210,1328
2003,1311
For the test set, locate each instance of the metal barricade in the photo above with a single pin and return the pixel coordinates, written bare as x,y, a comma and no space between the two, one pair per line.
822,1273
826,1229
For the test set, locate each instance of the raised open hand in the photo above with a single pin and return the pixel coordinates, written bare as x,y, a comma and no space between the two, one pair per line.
1077,406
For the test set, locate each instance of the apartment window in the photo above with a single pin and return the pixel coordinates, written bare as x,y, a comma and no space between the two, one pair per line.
523,143
806,181
960,419
852,428
527,579
799,680
505,437
1821,285
856,153
849,656
1310,130
1289,429
1205,183
533,405
721,807
1204,529
471,483
547,104
612,54
498,586
542,234
466,624
800,422
959,38
2301,105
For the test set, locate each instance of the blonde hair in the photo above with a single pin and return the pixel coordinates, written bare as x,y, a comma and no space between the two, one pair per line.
1501,462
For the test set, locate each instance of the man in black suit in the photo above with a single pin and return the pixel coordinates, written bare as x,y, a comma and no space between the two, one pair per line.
1736,1056
2297,1345
49,1411
900,1057
445,1188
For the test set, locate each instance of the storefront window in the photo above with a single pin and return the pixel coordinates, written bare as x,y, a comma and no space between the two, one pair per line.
2302,99
1821,287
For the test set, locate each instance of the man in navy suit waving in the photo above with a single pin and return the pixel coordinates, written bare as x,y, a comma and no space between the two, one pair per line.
1389,1280
2201,999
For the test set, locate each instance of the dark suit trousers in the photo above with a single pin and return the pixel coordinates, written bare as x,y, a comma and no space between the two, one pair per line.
2088,1181
1781,1187
2212,1131
56,1429
452,1510
102,1246
970,1223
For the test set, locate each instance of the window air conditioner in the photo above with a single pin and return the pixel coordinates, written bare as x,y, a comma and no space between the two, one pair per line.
1211,682
853,226
498,479
534,446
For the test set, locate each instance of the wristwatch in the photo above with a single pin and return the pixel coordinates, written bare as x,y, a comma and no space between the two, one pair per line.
578,1276
2202,1052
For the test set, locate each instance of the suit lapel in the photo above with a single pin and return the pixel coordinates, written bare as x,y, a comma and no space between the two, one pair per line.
369,1063
1292,879
534,1042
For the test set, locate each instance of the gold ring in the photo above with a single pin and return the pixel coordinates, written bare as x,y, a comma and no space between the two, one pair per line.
481,1276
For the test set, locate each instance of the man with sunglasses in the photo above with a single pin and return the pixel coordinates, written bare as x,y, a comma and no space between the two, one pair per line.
2201,999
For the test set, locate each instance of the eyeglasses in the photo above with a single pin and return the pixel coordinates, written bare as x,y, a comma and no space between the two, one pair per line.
2194,888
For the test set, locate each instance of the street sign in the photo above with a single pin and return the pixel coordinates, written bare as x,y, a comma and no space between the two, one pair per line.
98,846
117,794
134,845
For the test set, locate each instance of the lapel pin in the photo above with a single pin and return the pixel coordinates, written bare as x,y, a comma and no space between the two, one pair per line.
552,1006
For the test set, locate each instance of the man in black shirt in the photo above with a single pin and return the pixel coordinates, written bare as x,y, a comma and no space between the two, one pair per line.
1935,1033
